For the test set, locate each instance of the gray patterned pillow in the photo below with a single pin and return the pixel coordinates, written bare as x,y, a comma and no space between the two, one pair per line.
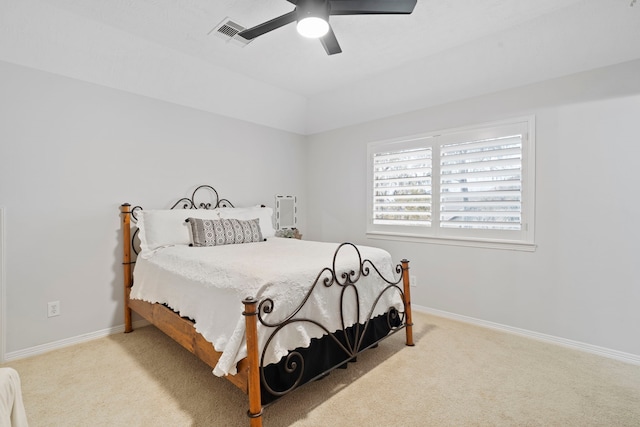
214,232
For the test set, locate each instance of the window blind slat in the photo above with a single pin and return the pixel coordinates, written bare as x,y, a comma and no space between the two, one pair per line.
476,187
482,176
480,196
483,206
481,166
510,153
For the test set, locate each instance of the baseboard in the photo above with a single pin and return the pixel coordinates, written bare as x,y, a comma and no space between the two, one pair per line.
45,348
589,348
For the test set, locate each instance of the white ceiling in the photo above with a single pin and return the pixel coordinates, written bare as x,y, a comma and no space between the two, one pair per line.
446,50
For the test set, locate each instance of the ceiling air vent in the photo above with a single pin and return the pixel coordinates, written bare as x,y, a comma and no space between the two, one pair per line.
228,30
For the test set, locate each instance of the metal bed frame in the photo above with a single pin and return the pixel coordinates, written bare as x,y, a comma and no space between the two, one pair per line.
250,376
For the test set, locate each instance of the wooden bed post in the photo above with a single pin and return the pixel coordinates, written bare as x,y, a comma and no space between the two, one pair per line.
126,263
251,319
407,297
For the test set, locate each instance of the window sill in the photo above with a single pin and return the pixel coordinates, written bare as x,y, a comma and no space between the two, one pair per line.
452,241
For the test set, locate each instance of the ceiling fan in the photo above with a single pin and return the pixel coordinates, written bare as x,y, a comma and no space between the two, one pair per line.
313,17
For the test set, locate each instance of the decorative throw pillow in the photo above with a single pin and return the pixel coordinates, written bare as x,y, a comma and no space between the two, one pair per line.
212,232
263,213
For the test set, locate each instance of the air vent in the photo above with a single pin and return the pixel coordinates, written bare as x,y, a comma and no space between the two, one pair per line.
228,30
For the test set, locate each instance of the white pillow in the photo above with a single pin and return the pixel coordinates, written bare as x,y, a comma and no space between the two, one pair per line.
264,214
167,227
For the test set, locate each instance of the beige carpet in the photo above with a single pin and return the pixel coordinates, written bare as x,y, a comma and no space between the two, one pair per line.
456,375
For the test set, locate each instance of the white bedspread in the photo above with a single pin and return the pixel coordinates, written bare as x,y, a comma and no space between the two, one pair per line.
12,413
208,285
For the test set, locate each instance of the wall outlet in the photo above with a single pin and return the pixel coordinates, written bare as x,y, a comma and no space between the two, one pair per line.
413,280
53,308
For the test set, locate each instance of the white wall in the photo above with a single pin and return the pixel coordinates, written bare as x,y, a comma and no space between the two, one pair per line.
72,152
581,283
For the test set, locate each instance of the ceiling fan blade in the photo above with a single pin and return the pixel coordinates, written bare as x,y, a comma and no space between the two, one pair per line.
271,25
330,43
371,7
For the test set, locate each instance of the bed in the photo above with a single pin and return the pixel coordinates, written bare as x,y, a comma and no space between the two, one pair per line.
269,314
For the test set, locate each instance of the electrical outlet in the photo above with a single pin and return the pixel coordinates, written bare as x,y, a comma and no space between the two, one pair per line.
53,308
413,281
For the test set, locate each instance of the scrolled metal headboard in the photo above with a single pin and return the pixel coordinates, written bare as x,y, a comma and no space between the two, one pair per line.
186,203
192,204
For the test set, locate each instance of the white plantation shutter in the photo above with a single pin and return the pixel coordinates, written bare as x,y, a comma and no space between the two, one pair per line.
472,186
481,184
402,187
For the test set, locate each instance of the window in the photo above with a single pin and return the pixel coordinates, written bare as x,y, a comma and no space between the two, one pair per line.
471,186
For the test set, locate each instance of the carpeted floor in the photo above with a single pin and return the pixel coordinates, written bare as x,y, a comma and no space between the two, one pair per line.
456,375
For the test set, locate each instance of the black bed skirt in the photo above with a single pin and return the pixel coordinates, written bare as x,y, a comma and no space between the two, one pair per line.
322,355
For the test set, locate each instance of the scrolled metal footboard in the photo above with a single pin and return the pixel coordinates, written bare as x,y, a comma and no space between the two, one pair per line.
350,339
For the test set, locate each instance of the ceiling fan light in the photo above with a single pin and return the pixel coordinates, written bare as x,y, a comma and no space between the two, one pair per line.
312,27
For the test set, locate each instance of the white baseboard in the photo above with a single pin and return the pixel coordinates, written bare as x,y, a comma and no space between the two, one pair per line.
589,348
45,348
